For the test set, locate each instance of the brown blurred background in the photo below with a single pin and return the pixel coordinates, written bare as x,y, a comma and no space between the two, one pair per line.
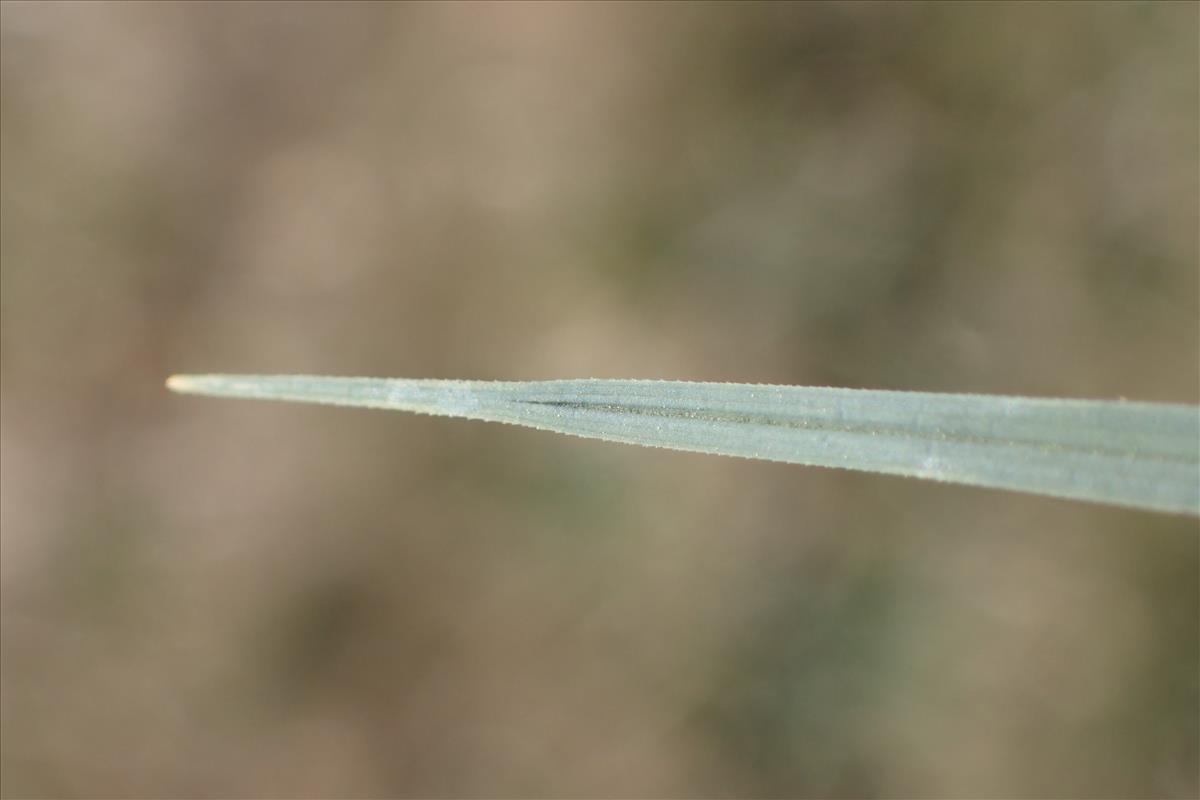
222,598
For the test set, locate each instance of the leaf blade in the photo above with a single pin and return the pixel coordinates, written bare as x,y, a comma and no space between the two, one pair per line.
1139,455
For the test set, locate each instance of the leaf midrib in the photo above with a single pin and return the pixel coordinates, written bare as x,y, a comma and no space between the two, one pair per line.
898,432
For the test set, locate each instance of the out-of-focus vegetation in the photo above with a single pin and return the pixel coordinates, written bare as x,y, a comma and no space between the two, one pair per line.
233,599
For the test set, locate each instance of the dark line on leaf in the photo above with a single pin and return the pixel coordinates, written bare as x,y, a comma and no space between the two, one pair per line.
767,420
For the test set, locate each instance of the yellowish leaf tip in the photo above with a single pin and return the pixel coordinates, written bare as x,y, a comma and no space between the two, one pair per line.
178,383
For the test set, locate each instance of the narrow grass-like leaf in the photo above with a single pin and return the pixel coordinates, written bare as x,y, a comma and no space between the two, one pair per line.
1141,455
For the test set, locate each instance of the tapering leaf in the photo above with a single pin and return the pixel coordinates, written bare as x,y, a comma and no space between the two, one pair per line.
1142,455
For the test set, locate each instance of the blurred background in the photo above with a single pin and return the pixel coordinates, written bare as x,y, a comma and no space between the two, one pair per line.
224,598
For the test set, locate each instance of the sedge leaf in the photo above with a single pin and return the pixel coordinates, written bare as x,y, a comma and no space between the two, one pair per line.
1140,455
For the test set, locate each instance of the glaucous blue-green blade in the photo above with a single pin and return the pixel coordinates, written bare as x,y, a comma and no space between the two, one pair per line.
1142,455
